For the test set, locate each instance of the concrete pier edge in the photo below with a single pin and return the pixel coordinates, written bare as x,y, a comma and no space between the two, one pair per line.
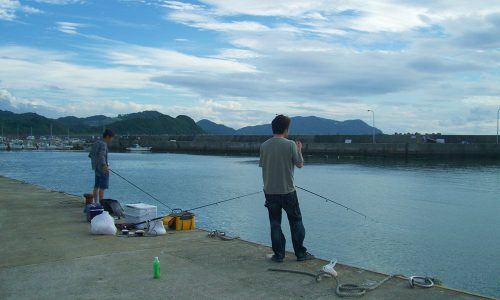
386,146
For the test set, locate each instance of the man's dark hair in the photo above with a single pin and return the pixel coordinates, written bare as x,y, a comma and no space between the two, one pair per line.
280,124
108,133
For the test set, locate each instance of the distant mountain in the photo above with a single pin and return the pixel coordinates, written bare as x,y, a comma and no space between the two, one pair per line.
24,123
78,124
315,125
214,128
155,123
141,115
98,120
147,122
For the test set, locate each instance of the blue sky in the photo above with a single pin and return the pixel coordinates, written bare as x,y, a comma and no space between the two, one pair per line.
426,66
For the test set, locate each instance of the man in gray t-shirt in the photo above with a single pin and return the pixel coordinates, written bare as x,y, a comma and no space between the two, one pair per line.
278,159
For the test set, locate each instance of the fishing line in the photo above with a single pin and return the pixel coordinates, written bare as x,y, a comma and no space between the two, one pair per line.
131,183
239,197
180,211
335,202
227,200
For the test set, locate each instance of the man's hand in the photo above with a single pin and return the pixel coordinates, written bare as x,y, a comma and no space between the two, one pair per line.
105,169
300,163
299,145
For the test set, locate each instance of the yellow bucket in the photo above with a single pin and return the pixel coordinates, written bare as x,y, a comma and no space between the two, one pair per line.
180,220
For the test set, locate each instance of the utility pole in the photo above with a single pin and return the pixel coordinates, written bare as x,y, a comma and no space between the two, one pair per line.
373,124
498,117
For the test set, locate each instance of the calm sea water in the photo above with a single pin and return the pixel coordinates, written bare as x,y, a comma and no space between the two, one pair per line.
440,219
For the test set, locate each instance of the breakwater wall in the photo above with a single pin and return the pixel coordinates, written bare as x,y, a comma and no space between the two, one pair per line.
386,145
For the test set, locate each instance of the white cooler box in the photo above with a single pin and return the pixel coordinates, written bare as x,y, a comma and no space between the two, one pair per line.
139,212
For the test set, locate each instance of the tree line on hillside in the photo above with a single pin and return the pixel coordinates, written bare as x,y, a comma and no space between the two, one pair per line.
156,123
137,123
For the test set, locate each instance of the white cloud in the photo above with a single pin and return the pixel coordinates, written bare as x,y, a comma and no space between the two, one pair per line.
10,102
236,54
369,16
60,2
68,27
179,5
202,20
7,96
169,61
81,108
107,107
10,8
491,101
29,68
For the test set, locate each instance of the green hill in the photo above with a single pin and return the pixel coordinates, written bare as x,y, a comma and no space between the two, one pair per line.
154,123
315,125
26,122
214,128
148,122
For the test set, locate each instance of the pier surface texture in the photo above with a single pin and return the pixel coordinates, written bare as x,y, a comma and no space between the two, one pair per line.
46,252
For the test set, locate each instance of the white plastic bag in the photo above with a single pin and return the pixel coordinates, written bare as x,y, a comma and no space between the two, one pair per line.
157,228
103,224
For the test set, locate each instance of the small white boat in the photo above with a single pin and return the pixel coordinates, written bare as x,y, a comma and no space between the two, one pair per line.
3,146
47,147
16,145
138,148
30,146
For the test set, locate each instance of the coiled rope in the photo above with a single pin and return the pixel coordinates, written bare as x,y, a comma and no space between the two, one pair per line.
354,290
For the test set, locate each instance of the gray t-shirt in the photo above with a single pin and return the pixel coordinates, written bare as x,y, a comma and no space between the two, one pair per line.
278,157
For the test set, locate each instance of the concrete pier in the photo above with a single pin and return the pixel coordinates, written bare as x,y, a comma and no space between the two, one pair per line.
386,146
46,252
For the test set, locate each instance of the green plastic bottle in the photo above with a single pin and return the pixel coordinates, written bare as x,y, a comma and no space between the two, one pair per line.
156,268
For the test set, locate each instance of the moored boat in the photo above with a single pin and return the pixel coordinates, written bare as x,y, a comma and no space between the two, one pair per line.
16,145
30,146
138,148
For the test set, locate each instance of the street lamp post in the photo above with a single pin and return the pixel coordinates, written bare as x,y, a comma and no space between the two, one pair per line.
498,117
373,124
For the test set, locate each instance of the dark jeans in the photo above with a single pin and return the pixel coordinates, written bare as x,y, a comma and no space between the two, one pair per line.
288,202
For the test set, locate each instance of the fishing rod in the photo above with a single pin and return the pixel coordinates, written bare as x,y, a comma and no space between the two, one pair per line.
227,200
334,202
178,210
131,183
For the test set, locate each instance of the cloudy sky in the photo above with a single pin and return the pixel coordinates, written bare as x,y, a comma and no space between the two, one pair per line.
427,66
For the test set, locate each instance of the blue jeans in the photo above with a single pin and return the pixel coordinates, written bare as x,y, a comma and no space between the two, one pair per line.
290,204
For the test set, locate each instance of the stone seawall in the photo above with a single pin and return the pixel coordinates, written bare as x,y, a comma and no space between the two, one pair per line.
390,146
